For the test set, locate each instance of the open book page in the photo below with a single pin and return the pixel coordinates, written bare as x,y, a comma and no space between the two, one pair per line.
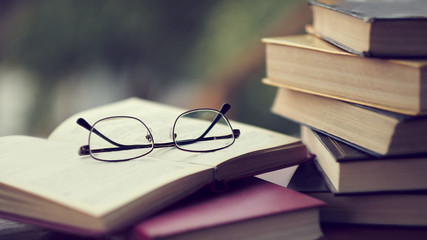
54,171
160,119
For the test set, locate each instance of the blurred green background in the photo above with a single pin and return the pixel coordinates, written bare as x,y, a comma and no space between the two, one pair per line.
61,57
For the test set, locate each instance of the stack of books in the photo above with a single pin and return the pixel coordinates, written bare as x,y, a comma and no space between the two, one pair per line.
357,83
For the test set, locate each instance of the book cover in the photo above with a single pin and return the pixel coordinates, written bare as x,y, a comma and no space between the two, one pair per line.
230,214
384,28
370,11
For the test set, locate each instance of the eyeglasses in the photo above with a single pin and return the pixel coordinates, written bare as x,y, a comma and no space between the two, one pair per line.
123,138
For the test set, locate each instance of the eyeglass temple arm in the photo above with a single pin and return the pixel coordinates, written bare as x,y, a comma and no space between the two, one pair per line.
224,109
236,134
82,122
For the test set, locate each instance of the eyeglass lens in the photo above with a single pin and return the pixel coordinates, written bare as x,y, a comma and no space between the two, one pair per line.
202,131
121,138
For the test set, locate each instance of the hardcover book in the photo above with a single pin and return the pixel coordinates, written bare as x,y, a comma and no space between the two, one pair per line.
46,183
372,130
381,28
349,169
250,209
391,208
309,64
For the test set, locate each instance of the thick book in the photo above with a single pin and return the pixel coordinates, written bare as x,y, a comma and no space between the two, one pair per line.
309,64
385,208
249,209
372,130
382,28
45,182
350,170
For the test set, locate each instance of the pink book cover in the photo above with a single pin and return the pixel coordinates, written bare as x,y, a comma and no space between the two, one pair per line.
245,199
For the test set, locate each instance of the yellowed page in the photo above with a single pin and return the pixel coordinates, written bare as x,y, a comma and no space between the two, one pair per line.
54,171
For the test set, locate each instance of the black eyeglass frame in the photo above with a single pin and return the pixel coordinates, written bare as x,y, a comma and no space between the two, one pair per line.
85,150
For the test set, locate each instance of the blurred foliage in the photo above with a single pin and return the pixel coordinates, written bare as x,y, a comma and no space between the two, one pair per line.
156,42
54,37
254,101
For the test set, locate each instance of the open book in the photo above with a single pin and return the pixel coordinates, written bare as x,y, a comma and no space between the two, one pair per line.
45,182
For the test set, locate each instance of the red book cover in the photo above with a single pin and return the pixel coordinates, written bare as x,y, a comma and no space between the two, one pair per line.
244,200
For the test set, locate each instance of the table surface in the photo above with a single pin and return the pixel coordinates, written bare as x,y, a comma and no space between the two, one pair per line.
10,230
